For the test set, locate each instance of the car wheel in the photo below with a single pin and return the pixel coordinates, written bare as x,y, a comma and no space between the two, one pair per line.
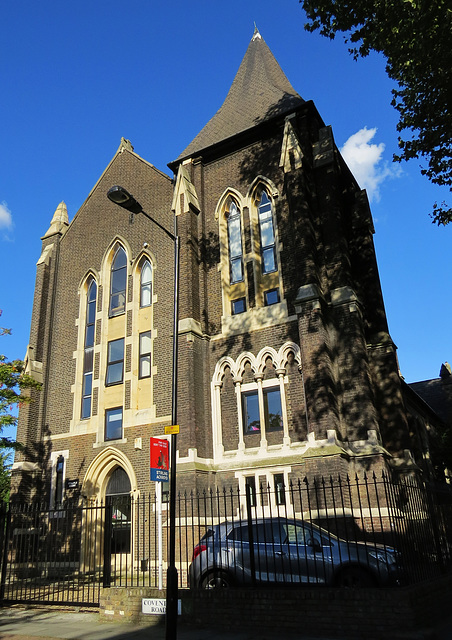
216,580
355,578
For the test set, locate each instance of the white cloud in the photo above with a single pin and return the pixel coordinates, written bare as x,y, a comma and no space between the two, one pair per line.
6,220
365,162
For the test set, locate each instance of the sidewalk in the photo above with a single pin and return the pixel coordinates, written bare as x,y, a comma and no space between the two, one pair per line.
17,623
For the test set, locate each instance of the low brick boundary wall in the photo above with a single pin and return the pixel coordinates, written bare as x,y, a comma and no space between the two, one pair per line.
322,612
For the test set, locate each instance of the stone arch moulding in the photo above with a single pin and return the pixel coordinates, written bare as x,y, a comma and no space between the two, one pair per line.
262,181
144,254
110,251
257,362
220,367
241,361
229,192
90,274
283,354
261,358
98,472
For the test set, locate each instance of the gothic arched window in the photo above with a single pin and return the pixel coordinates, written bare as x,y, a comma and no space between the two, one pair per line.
118,281
59,476
235,244
267,234
146,284
88,357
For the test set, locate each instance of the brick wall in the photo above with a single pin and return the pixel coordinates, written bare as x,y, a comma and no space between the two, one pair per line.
321,612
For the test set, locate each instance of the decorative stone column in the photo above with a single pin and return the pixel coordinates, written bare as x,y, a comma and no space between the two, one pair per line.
238,392
218,448
260,395
281,373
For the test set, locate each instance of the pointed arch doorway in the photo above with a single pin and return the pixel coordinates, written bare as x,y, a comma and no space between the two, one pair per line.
119,503
111,483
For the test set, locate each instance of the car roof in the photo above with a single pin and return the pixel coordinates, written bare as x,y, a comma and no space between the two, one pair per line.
227,525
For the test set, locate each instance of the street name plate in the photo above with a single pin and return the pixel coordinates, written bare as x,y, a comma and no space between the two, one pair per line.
157,606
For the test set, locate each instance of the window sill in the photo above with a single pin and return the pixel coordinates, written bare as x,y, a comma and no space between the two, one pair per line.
107,443
254,319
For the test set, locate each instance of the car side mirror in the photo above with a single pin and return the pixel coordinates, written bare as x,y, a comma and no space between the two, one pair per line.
315,544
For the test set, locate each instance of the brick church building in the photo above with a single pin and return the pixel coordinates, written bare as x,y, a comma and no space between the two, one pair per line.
285,364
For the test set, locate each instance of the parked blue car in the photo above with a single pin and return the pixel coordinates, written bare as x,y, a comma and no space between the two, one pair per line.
287,551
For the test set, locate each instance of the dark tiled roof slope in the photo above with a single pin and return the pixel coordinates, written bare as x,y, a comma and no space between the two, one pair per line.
438,394
260,91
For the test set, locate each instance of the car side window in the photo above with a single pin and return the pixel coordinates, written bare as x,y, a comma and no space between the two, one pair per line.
295,534
239,533
277,532
263,533
313,539
270,532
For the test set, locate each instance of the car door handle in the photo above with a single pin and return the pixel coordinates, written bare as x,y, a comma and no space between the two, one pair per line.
280,553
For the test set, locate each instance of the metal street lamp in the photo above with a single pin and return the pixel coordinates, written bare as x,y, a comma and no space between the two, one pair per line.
118,195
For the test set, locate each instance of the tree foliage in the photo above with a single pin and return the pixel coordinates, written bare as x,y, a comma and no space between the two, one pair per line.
14,387
5,475
414,36
14,383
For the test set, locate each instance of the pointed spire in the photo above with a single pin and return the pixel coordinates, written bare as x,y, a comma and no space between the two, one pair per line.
291,153
185,188
259,92
60,221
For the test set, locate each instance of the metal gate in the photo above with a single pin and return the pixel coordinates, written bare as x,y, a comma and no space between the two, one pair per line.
52,556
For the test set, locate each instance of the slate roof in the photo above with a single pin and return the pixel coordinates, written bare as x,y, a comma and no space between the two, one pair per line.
260,91
438,394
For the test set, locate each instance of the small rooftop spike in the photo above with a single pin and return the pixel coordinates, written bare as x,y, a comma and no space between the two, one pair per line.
60,220
445,371
256,33
125,144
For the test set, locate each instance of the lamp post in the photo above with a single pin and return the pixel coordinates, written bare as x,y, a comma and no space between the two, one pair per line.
118,195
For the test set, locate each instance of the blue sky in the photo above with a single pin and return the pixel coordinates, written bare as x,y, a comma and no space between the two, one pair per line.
75,77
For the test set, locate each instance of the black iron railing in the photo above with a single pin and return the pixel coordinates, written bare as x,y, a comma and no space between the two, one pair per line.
337,531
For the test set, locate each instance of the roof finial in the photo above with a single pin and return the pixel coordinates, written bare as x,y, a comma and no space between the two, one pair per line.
60,221
446,370
256,34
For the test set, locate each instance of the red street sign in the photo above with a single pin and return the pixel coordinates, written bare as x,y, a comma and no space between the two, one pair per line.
159,460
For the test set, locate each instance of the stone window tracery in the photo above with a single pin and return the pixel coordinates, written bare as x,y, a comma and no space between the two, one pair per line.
260,384
250,257
235,244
